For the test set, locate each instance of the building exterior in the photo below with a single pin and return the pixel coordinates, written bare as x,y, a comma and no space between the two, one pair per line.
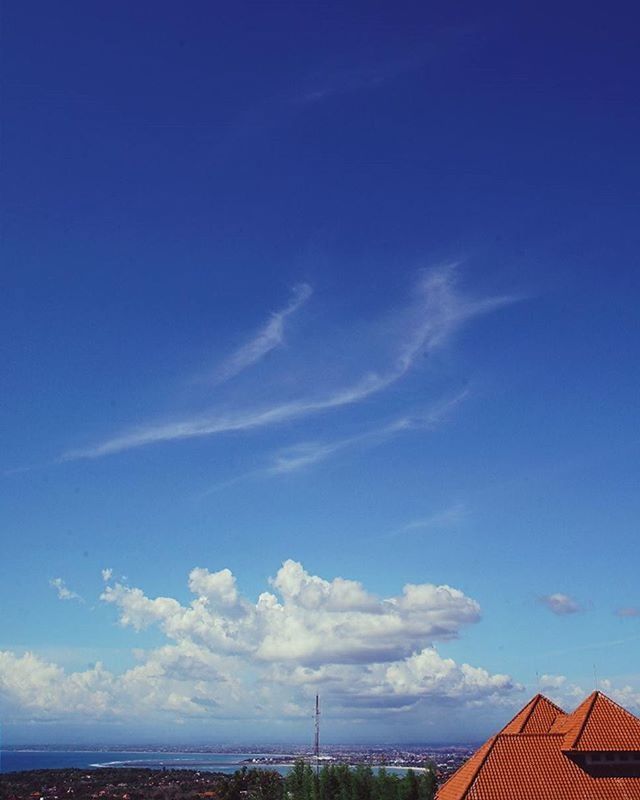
543,753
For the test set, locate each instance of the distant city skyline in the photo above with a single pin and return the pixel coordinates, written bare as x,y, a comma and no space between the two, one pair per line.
321,342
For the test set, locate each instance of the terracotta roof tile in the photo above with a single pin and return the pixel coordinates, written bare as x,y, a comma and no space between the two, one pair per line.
532,767
530,758
572,726
536,717
602,725
562,723
458,784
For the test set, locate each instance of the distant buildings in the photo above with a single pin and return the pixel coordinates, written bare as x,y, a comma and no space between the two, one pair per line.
547,754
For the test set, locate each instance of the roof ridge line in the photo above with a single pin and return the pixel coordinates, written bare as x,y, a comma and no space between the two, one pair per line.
534,704
584,721
519,712
555,705
479,767
520,735
614,703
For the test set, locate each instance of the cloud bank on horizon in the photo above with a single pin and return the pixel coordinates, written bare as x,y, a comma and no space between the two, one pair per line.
228,657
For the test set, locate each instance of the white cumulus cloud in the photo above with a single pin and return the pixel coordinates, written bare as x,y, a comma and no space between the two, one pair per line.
227,657
307,619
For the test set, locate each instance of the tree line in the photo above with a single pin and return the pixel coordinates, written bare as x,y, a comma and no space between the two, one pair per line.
332,782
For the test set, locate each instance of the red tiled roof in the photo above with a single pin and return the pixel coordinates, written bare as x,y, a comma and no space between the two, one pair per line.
458,784
572,724
536,717
532,767
530,758
601,724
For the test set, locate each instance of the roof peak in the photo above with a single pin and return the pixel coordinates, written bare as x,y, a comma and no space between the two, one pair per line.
537,716
599,723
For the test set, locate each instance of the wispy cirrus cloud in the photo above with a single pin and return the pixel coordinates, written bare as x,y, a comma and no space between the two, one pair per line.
268,337
356,77
302,455
448,518
437,313
369,70
584,648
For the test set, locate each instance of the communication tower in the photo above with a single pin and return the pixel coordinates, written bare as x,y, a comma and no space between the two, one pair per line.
316,745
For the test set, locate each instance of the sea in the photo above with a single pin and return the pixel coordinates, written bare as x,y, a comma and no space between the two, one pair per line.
21,760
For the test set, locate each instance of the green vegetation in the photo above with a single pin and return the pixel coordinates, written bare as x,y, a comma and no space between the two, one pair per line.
111,784
334,782
339,782
253,784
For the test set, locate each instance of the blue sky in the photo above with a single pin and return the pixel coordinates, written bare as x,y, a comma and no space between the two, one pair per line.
320,368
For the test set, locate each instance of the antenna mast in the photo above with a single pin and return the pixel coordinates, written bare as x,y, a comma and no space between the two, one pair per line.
316,746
